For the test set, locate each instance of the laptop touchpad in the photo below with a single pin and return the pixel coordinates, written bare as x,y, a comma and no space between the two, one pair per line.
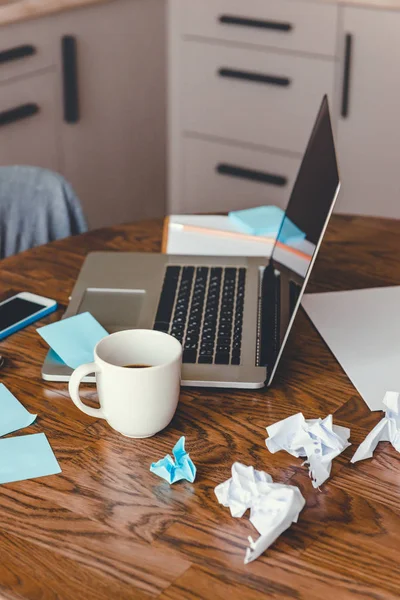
114,309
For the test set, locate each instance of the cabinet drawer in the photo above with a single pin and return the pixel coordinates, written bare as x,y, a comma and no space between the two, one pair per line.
29,115
298,26
221,177
27,47
252,96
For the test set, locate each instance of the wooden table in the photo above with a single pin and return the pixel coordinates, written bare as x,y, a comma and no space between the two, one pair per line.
108,528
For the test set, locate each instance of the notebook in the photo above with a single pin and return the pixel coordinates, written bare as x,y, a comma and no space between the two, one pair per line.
212,235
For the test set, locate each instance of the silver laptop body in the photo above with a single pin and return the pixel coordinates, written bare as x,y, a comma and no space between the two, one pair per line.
232,314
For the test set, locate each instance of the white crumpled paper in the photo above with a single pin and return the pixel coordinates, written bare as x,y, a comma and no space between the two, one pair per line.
273,506
317,439
387,430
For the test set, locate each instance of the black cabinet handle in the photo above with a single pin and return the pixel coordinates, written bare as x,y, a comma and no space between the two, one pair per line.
258,23
16,53
70,79
346,75
255,77
18,113
251,174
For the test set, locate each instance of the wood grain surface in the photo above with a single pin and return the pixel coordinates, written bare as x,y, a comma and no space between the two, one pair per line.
108,528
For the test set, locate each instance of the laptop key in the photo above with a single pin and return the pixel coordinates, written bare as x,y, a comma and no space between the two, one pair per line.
225,330
206,359
167,296
191,344
206,349
206,320
160,326
222,358
189,356
223,348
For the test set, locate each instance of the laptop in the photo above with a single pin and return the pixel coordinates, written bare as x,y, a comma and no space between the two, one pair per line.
232,315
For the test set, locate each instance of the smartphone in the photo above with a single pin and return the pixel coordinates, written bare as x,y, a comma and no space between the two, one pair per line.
22,310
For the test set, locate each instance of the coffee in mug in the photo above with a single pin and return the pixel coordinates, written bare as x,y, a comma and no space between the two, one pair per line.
136,366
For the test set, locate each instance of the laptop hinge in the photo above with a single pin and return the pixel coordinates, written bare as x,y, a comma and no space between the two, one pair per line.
269,317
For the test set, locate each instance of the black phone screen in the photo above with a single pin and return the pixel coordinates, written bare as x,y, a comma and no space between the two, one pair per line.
16,310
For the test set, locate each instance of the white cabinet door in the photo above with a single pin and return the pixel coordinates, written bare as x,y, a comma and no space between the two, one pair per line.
252,96
26,47
114,155
294,26
369,134
219,177
29,121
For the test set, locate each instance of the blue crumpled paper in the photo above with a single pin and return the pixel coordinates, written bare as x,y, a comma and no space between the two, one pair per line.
175,470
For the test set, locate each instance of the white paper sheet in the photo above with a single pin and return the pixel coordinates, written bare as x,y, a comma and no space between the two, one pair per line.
273,506
387,430
362,329
317,439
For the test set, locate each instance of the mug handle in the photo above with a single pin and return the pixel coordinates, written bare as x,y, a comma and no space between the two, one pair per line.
73,388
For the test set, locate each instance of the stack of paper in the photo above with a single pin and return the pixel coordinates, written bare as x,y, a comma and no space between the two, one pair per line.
210,235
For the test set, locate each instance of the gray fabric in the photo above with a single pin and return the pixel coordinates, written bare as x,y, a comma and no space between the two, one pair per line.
36,206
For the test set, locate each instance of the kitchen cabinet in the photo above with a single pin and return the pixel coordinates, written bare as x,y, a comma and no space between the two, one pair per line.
91,84
114,154
29,120
30,113
27,47
368,134
211,174
244,86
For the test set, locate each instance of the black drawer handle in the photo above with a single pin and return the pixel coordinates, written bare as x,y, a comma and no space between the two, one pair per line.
70,79
255,77
18,113
346,75
16,53
258,23
251,175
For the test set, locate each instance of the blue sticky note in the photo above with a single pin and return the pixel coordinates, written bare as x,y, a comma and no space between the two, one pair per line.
55,359
26,457
13,415
290,233
261,220
175,470
74,339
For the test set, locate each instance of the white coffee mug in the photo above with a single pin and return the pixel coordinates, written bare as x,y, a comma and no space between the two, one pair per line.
136,402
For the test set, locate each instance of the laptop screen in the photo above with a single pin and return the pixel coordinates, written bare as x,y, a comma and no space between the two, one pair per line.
306,218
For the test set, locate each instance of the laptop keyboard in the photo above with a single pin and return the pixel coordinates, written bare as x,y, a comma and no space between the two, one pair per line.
202,307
